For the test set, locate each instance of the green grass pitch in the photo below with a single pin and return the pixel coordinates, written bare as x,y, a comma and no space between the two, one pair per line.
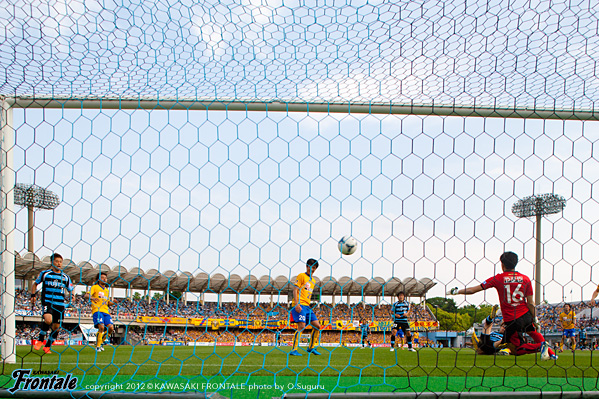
261,371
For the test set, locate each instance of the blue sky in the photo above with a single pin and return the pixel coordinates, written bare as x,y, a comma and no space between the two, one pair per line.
258,192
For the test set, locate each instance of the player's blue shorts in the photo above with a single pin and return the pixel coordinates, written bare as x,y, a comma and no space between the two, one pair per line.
416,340
102,318
306,316
400,333
569,332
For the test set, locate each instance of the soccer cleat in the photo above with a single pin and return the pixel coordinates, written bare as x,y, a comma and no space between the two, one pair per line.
504,352
99,348
493,312
313,351
392,349
412,350
553,357
545,351
294,353
46,349
37,345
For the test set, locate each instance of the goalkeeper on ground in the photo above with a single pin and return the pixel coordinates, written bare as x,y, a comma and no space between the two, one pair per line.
489,342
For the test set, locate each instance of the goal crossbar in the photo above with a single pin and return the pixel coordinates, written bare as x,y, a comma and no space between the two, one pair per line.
293,106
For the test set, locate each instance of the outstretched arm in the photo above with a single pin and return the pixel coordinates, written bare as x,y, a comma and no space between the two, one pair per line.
465,291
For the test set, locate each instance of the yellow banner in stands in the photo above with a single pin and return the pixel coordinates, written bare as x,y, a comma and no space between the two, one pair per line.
161,320
196,321
344,325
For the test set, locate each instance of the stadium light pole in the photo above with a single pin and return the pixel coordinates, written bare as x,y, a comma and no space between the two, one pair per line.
32,196
538,206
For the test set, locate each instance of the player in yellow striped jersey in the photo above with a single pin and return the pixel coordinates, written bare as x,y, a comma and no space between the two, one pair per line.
416,337
301,313
100,313
568,320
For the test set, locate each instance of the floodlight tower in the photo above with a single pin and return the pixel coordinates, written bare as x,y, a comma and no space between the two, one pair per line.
538,205
32,197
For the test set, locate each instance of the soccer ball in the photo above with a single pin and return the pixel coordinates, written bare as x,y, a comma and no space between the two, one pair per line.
348,245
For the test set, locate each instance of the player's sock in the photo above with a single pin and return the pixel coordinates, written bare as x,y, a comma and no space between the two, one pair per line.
53,336
43,331
410,343
99,339
574,346
393,341
537,337
296,338
314,338
528,348
493,312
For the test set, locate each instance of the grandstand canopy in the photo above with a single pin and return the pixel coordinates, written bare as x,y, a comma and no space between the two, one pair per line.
84,273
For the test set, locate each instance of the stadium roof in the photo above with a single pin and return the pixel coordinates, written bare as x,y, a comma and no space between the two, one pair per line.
84,273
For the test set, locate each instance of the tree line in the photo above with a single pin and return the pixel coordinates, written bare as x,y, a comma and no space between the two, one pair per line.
452,318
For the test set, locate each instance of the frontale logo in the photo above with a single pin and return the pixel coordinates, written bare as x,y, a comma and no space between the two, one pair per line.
24,382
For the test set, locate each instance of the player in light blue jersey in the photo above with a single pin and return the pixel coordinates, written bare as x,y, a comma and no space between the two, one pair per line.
365,331
57,292
400,310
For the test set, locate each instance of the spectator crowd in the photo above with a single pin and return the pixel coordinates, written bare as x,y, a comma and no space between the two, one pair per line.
129,308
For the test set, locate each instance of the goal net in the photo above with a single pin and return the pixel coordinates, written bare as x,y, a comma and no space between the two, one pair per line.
200,153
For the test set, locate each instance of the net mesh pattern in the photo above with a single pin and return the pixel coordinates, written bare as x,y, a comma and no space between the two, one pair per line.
203,219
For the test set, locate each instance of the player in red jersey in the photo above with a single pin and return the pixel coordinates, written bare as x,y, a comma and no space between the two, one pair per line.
517,306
